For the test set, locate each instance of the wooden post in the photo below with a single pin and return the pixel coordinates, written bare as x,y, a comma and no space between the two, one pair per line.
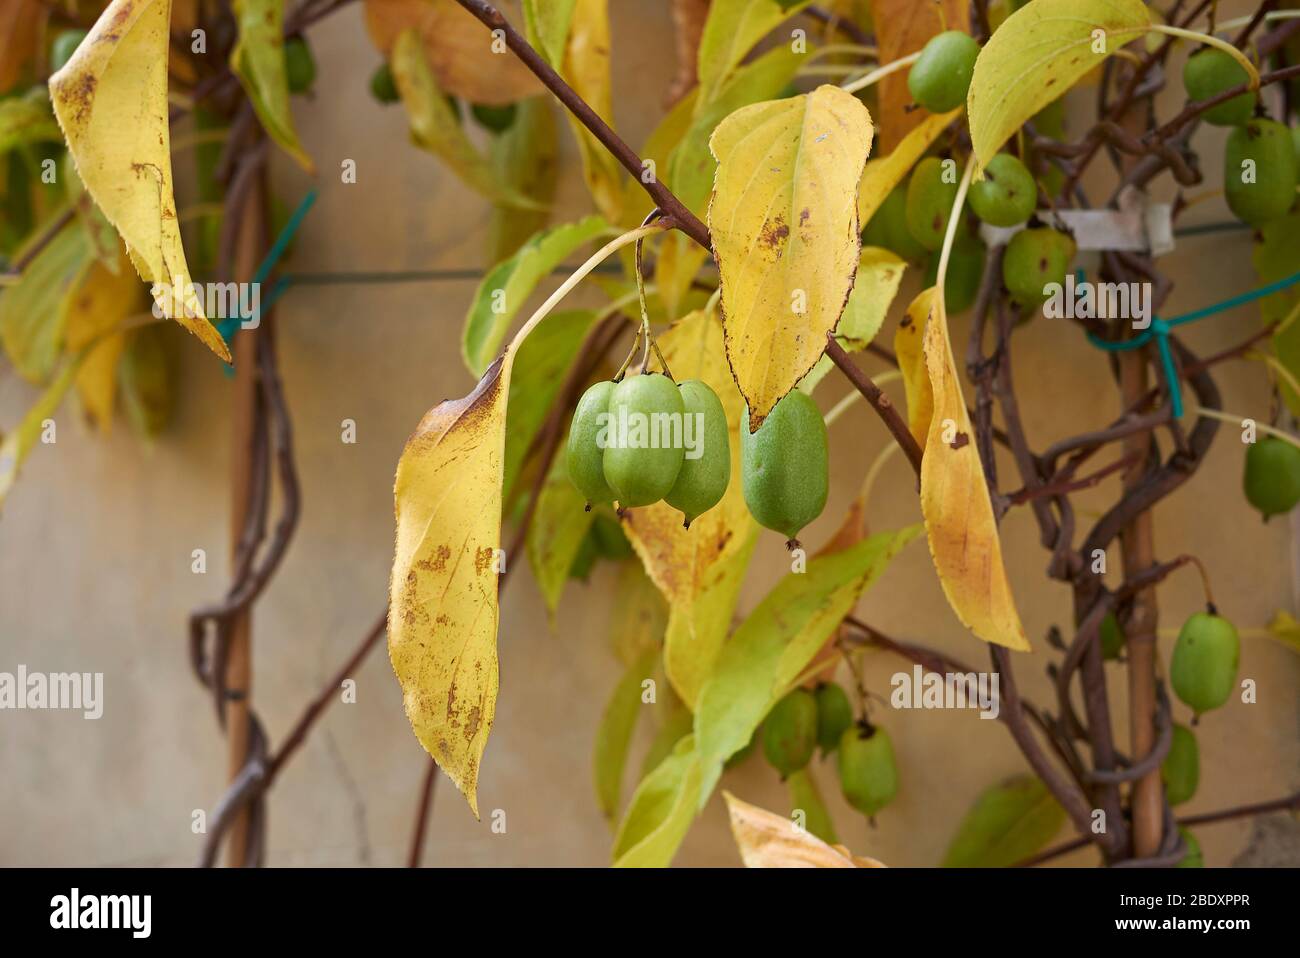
249,249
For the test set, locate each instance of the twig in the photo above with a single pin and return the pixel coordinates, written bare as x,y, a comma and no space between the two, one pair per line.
878,401
422,812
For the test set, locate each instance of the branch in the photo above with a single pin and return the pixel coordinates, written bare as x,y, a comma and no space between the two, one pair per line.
664,198
878,401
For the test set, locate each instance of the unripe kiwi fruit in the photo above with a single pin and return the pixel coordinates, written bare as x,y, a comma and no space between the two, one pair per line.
941,76
1203,669
609,538
834,715
702,481
965,268
299,65
888,227
498,119
382,86
1266,149
583,457
1181,770
868,772
1034,258
1007,196
1272,478
929,202
790,732
785,465
639,473
1210,72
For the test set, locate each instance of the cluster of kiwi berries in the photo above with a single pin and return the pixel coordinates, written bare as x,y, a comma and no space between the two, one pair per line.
804,721
1203,673
784,463
913,218
497,119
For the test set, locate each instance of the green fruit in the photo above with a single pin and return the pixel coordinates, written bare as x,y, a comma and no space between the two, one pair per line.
644,449
929,201
1007,196
1181,770
790,732
588,552
583,457
1203,669
1034,258
1272,479
868,773
941,76
607,534
834,715
785,465
1207,74
888,227
299,65
1112,637
64,46
1259,171
703,479
965,267
1193,858
498,119
382,87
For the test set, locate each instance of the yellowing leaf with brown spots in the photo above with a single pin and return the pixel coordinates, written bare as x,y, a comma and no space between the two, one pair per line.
881,175
903,27
959,522
111,102
784,224
908,339
699,570
1037,54
768,840
466,59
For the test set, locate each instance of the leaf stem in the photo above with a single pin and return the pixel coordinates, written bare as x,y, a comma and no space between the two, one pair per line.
1252,73
881,72
1236,419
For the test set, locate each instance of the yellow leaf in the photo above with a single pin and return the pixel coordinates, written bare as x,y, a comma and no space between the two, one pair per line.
880,176
1286,630
586,68
1036,55
903,27
547,23
435,127
911,363
784,225
699,570
959,522
442,607
258,62
466,59
768,840
100,304
111,102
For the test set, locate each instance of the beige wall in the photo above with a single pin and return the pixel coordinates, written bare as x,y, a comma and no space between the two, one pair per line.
95,574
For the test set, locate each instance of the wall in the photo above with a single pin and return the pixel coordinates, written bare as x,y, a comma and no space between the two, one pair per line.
96,540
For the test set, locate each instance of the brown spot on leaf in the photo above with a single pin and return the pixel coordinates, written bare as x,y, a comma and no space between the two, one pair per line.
774,233
959,441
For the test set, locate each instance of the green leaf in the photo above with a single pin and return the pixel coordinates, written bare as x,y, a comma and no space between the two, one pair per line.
547,24
524,157
258,62
508,285
33,311
691,165
436,128
661,811
15,445
614,734
1275,258
1037,54
26,120
731,31
675,726
555,535
540,370
806,797
1008,823
776,642
879,274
